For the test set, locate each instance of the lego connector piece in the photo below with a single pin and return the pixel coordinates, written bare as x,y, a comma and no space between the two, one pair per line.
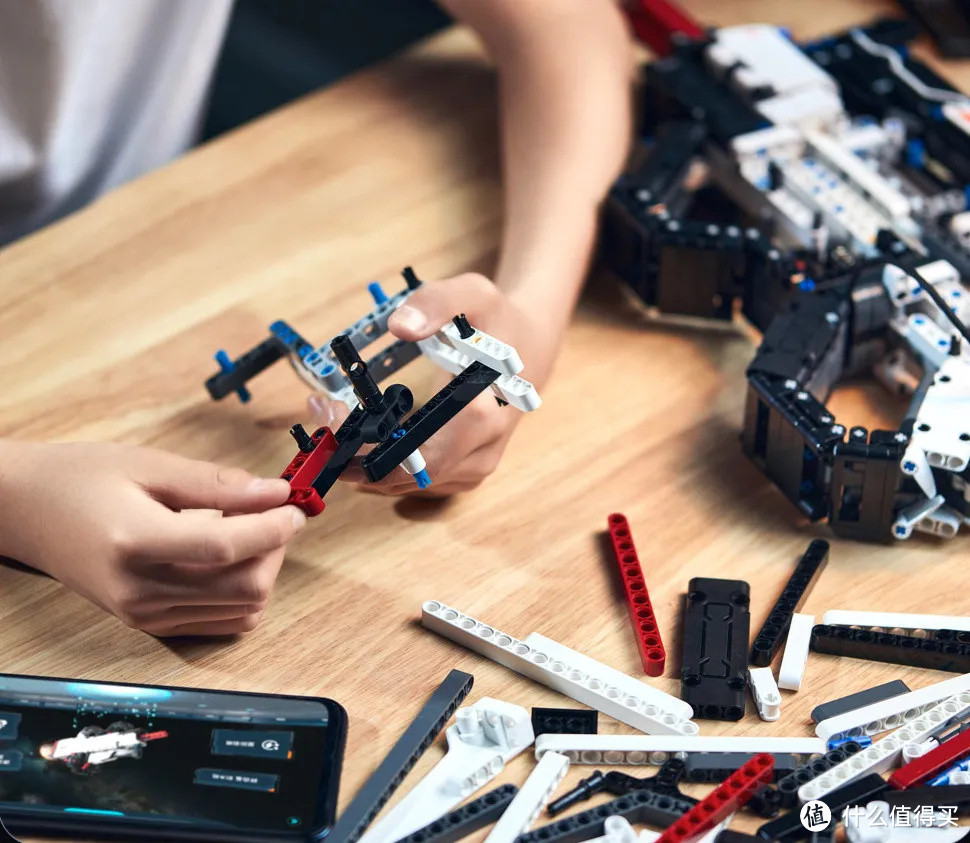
386,779
884,753
642,711
768,641
564,721
764,689
531,799
920,770
664,782
467,819
640,806
735,792
894,649
843,705
652,652
788,785
233,374
313,455
715,645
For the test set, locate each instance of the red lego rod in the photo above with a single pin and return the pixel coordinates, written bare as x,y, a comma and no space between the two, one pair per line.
655,22
652,652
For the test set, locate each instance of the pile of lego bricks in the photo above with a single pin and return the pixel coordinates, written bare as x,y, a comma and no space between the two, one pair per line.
802,787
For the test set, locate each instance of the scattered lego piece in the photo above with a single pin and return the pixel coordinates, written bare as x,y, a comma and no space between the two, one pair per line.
640,806
652,652
527,805
713,767
732,794
788,785
715,641
640,750
860,699
642,712
857,792
899,623
895,649
891,713
923,768
483,738
664,782
467,819
386,779
764,689
564,721
768,641
796,652
884,753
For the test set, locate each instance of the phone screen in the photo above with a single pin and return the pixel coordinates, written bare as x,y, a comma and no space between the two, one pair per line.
72,751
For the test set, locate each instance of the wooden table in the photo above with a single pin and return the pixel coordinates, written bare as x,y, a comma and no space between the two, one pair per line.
111,317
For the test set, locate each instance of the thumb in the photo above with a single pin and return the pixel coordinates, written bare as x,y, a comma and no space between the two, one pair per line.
181,483
435,303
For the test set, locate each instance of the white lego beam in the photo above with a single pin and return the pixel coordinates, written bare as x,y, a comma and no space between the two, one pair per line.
530,799
892,713
764,689
885,753
653,750
641,711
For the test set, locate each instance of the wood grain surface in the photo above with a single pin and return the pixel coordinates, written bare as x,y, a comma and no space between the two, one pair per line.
109,320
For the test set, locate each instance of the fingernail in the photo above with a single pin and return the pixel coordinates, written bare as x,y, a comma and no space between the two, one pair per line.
299,518
410,318
321,409
262,485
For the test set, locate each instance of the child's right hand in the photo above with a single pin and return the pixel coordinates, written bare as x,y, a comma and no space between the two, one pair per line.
117,524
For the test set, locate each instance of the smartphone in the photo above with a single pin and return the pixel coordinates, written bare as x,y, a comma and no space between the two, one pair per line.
136,762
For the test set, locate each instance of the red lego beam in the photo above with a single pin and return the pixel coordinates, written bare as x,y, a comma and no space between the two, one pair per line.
922,769
655,22
305,468
731,795
652,652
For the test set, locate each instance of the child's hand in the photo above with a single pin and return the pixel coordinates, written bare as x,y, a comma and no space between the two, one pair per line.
115,523
467,449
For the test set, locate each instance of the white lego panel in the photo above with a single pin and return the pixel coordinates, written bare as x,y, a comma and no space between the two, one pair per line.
866,137
767,58
530,799
796,652
484,348
653,750
810,108
885,753
899,623
942,427
764,689
892,713
626,683
774,141
590,689
483,738
869,184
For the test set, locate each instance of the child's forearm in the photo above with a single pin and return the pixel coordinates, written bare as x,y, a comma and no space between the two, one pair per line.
565,73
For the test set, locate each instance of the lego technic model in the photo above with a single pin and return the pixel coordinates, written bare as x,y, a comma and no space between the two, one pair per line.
94,746
477,360
820,189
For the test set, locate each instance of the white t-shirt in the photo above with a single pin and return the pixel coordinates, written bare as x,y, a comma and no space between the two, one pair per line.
95,92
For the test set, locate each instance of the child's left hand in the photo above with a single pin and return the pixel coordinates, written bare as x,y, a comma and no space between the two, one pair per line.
467,449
